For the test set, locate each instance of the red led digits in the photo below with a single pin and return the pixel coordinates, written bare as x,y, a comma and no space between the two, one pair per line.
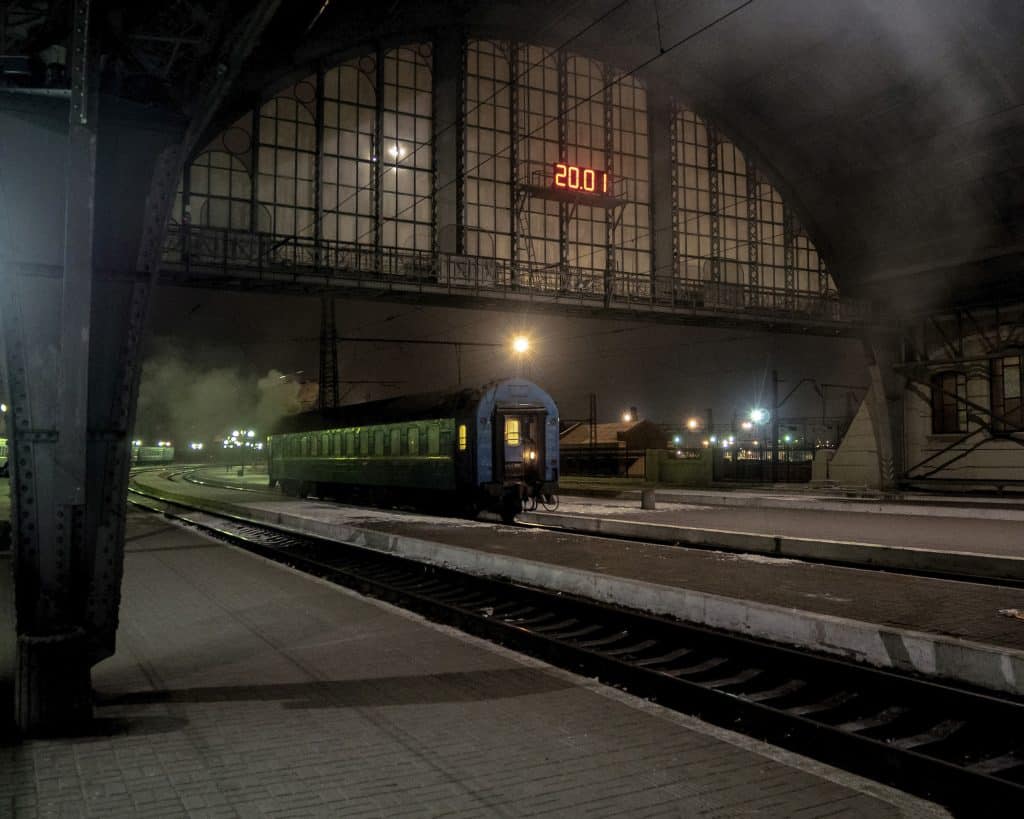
574,178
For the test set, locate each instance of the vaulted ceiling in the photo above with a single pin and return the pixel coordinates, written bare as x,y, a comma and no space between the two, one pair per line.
896,128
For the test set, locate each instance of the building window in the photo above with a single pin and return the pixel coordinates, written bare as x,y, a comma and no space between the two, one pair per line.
512,431
463,438
949,412
1007,386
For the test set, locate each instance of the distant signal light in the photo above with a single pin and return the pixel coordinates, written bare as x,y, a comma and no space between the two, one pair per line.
585,180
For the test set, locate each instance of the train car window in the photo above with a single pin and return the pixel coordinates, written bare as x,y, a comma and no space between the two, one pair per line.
315,445
350,447
305,446
414,441
378,442
364,441
337,444
463,438
396,442
512,431
325,444
433,440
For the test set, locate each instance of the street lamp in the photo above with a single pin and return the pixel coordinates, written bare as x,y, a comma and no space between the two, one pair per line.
520,349
692,423
3,407
759,415
627,416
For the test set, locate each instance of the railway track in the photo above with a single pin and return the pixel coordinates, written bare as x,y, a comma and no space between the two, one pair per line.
188,475
960,747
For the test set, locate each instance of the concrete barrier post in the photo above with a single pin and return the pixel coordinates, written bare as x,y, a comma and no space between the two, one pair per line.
647,499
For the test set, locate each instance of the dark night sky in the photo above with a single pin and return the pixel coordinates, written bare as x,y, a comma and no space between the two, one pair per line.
668,372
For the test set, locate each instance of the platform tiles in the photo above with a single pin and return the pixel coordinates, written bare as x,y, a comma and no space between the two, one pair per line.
241,688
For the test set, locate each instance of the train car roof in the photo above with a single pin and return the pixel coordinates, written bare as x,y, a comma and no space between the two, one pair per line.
388,410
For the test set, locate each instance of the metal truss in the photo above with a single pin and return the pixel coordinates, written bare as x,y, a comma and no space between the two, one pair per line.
938,344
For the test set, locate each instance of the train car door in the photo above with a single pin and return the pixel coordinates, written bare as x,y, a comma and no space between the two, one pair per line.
520,450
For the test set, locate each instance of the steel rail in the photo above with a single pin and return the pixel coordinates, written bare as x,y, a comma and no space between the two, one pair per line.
961,747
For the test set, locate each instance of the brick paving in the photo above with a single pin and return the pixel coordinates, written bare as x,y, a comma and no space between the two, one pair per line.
969,611
982,535
243,689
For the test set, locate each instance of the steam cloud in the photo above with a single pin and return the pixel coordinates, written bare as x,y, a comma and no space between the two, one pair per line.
182,401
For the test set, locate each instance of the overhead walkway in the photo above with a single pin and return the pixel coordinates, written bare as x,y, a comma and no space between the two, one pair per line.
235,259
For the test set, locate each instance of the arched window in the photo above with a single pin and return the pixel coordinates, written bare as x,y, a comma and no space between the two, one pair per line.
732,226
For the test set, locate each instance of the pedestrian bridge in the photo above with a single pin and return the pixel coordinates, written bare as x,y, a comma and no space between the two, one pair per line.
238,259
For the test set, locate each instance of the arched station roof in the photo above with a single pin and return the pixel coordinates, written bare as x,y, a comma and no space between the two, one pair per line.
895,129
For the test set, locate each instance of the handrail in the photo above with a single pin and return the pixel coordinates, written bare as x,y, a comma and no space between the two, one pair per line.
199,250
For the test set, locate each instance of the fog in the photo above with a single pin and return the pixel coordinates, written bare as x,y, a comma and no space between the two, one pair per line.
181,399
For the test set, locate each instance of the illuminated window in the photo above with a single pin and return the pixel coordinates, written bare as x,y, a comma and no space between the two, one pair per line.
949,412
1007,387
513,109
731,223
463,438
414,441
512,431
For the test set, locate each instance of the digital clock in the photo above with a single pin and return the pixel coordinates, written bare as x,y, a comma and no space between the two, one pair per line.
586,180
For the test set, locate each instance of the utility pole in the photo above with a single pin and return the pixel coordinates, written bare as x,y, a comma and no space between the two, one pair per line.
328,395
775,425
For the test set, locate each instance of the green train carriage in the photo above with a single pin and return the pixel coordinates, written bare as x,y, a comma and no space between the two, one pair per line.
487,447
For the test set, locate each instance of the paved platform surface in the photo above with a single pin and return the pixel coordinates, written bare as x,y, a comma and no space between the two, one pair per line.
953,630
915,526
968,611
241,688
972,525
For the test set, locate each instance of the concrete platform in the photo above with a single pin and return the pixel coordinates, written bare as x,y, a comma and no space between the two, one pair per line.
983,547
242,688
942,628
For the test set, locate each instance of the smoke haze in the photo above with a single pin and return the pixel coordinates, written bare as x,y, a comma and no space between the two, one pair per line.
182,401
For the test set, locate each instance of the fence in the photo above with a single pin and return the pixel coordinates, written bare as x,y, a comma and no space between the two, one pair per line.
602,460
757,465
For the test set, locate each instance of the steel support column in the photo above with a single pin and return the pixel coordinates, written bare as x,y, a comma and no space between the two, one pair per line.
608,108
753,240
789,256
449,140
563,156
715,261
73,299
49,443
665,243
515,200
885,399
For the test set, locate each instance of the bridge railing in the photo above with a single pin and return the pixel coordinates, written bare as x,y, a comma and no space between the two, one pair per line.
201,252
